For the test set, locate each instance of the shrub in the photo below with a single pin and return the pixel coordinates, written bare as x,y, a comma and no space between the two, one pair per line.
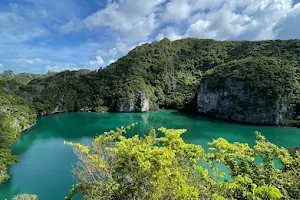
116,167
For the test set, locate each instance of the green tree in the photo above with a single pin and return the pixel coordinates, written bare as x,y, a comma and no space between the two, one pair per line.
253,171
135,168
26,197
115,167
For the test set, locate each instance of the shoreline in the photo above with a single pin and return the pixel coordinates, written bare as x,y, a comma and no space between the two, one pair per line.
191,113
233,121
26,128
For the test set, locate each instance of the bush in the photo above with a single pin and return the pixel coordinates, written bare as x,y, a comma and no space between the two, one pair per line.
115,167
25,197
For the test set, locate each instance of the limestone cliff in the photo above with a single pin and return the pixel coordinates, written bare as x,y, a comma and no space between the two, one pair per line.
239,92
132,103
238,103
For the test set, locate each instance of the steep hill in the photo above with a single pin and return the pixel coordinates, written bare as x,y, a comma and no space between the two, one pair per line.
22,78
168,74
256,90
16,114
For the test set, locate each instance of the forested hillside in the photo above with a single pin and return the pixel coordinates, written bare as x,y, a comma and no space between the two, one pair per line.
257,90
16,114
22,78
169,75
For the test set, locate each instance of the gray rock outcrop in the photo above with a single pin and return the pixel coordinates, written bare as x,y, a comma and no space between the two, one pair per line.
236,102
132,103
57,109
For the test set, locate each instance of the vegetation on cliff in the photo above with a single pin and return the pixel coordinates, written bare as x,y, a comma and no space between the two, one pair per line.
22,78
116,167
26,197
272,77
65,91
170,73
15,115
257,90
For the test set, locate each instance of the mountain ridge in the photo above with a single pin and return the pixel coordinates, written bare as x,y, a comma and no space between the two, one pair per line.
168,73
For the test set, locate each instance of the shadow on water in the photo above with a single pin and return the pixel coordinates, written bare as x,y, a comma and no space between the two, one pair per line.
207,127
195,115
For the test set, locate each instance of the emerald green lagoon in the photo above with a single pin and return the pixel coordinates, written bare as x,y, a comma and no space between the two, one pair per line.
46,163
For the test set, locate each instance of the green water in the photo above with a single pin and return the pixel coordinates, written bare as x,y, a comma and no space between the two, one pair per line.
46,163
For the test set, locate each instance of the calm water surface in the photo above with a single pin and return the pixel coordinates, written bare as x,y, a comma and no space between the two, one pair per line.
46,163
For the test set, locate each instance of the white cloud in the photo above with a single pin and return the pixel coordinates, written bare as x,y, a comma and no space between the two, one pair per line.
129,22
59,68
15,55
173,35
52,12
13,6
15,28
177,10
247,19
110,53
96,64
122,46
135,20
33,61
221,24
72,26
122,16
44,13
289,26
1,65
160,36
111,61
199,28
170,33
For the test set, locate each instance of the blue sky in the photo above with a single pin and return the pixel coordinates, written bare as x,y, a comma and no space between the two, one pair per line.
53,35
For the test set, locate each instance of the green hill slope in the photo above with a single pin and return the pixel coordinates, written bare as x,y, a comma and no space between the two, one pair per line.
16,114
167,74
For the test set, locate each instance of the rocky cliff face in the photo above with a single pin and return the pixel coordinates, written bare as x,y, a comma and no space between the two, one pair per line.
57,109
263,91
142,103
238,103
20,117
132,103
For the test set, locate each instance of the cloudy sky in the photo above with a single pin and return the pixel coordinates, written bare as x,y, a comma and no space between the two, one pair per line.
41,35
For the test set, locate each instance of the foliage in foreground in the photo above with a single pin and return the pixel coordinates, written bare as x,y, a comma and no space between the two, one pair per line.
26,197
166,167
